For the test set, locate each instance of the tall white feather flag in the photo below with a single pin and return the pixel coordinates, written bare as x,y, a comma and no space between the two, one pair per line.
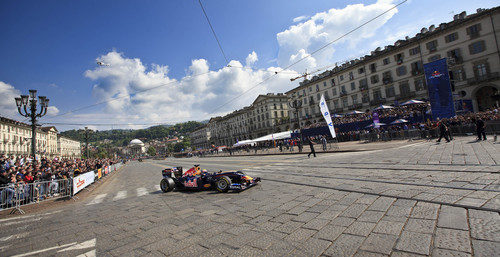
326,114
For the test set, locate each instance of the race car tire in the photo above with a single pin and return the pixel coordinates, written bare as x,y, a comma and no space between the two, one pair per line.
167,185
222,184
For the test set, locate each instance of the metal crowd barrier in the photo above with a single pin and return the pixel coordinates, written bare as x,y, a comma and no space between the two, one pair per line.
16,195
20,194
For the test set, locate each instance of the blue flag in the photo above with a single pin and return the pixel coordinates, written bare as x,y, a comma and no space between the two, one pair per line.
439,88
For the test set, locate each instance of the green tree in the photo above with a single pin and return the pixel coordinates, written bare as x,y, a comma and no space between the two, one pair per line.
151,151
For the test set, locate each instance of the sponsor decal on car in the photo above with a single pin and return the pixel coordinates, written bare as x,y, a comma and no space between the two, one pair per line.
191,183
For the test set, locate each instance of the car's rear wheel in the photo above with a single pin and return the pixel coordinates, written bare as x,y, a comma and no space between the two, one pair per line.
167,185
222,184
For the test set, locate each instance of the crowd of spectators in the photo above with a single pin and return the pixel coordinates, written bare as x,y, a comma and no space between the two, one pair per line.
21,172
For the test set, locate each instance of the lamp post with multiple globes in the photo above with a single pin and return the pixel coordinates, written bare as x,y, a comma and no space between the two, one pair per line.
27,107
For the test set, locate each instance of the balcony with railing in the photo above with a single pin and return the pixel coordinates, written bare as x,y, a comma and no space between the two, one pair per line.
483,78
363,87
416,72
343,93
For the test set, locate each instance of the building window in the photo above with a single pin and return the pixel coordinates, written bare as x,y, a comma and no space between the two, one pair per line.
419,84
310,89
341,77
326,95
477,47
398,58
344,102
387,77
414,51
434,58
432,46
318,96
351,75
334,91
377,94
374,79
303,92
275,114
342,89
386,61
473,31
305,100
363,83
389,91
404,88
317,87
354,99
365,98
451,37
481,70
335,104
333,82
353,86
454,54
416,68
361,70
373,67
401,71
459,74
324,83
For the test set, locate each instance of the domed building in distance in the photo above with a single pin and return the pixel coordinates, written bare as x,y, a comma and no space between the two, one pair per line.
136,147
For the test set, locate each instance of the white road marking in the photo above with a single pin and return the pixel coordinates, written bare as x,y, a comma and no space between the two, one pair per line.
19,222
88,254
29,216
120,195
142,191
70,246
98,199
20,235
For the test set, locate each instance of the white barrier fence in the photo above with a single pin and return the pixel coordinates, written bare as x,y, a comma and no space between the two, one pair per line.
15,195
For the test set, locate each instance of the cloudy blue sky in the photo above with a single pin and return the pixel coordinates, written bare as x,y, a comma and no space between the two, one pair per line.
165,51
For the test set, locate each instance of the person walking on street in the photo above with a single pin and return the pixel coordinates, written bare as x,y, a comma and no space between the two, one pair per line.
480,129
323,142
311,145
443,131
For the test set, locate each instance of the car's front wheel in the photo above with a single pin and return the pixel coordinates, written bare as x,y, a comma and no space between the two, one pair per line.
167,185
222,184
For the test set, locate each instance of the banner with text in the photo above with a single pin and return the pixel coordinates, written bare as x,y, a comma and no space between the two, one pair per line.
83,180
439,89
326,114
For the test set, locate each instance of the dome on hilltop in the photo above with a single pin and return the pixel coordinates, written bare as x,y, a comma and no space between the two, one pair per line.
135,142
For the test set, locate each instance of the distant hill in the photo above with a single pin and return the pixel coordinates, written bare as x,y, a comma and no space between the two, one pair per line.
121,137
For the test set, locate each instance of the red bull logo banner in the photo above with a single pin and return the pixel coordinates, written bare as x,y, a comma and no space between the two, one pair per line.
439,89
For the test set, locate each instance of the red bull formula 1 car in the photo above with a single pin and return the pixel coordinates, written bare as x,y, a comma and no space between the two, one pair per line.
195,178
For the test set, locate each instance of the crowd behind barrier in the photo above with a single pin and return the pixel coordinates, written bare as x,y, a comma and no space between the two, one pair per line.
24,181
354,128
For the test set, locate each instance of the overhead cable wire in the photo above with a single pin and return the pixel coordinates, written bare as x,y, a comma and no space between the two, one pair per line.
310,55
213,31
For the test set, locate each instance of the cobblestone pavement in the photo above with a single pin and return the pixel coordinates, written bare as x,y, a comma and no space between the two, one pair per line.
416,200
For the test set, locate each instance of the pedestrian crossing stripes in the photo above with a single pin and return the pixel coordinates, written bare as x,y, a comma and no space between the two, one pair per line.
123,194
98,199
120,195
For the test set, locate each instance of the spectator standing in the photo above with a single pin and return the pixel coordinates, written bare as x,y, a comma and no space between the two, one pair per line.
311,145
480,129
323,142
443,131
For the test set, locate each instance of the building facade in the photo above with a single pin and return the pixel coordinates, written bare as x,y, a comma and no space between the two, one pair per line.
395,74
200,138
15,139
267,114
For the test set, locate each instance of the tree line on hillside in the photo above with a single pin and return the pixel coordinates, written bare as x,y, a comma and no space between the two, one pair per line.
121,137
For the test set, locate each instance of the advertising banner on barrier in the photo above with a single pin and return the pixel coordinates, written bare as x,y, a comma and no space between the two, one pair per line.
99,173
82,181
106,170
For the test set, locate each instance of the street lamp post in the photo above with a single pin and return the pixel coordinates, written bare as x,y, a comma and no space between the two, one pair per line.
296,104
27,107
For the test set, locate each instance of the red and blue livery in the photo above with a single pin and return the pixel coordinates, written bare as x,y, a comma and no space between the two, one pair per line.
197,179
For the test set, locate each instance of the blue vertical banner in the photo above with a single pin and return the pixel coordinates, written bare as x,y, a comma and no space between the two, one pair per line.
439,88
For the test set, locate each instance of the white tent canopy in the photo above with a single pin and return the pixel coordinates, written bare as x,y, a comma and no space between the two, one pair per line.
275,136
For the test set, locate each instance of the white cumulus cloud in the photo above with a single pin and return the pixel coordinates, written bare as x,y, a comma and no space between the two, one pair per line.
8,104
146,92
300,18
325,27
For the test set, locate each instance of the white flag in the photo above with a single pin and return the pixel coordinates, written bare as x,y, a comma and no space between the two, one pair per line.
326,114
